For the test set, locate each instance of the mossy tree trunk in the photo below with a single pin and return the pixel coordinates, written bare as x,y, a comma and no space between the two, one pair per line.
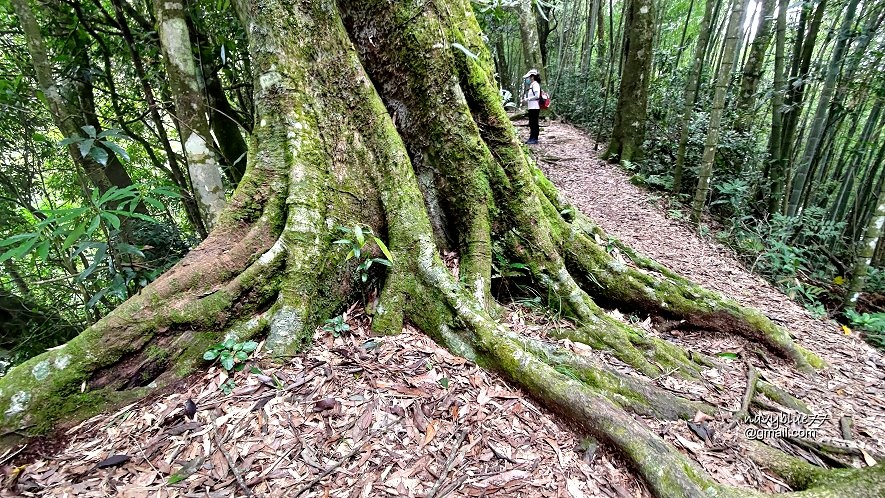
631,111
377,119
528,32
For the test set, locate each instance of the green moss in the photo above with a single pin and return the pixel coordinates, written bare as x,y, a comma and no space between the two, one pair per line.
156,353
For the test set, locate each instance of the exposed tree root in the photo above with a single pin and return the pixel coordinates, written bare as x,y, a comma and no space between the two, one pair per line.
815,482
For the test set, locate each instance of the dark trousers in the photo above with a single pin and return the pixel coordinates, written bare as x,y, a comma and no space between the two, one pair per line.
533,123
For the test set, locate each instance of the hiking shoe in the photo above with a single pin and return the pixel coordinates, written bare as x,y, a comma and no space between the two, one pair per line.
531,141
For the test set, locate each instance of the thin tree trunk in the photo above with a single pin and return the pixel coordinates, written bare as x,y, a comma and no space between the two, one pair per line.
190,204
190,106
754,66
691,92
729,53
793,102
701,31
775,157
820,116
630,114
65,109
528,30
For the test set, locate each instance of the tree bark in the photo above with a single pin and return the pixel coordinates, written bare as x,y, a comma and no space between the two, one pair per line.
775,162
348,134
631,111
528,30
729,53
191,113
753,68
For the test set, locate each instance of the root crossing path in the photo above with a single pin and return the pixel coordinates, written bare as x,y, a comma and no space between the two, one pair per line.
852,387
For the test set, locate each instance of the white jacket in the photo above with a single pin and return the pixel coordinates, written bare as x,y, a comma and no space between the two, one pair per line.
532,95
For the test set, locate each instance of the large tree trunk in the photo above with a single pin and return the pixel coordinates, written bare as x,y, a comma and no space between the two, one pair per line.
528,31
366,115
630,114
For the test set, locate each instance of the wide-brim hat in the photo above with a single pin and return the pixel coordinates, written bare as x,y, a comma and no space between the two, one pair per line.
530,73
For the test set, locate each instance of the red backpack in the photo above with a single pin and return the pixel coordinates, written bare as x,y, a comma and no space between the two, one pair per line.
544,101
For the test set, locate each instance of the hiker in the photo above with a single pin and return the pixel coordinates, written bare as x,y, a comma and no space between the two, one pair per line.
532,97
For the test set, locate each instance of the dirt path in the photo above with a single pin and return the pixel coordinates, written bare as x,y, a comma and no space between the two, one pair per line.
853,386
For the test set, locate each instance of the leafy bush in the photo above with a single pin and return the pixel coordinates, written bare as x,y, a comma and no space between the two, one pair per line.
871,323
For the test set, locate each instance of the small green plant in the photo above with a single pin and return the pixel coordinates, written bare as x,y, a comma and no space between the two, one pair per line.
873,324
355,241
228,386
231,354
336,326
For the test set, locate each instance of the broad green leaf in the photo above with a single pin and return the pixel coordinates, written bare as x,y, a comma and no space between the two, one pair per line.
129,249
153,202
384,249
250,346
95,298
97,260
382,261
85,146
96,220
89,130
727,354
100,155
70,140
113,132
227,362
15,238
43,250
8,254
143,217
166,192
229,344
119,151
112,219
242,355
360,237
210,355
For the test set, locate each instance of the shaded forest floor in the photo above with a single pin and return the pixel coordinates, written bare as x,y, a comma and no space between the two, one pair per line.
364,416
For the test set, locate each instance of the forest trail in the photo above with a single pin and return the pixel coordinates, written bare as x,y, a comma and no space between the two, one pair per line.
852,386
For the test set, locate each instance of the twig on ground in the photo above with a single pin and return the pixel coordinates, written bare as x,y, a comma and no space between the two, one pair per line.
343,459
449,462
752,379
9,456
845,427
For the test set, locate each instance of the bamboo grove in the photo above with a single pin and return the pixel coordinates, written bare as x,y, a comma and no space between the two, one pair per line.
766,114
